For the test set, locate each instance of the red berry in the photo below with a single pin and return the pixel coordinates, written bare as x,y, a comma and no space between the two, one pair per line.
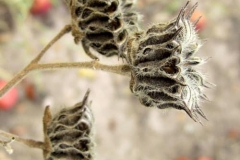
204,158
182,158
9,99
30,90
40,7
233,133
202,22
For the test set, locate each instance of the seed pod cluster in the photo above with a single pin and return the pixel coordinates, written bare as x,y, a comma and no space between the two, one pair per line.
163,66
70,133
103,25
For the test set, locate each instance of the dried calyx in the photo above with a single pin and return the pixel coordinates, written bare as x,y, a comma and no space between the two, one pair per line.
69,133
163,61
103,25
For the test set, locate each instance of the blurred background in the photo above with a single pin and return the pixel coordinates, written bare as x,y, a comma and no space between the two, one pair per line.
124,128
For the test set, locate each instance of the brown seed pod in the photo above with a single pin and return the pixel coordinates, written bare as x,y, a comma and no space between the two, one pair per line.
69,133
163,60
103,25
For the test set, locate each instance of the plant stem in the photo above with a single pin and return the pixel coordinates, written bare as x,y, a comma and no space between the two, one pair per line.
28,142
33,65
119,69
17,78
63,31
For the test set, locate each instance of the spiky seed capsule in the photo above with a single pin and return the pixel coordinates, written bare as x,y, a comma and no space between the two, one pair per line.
70,133
163,61
103,25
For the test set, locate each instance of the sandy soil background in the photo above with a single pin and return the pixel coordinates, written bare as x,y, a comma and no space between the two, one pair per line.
124,128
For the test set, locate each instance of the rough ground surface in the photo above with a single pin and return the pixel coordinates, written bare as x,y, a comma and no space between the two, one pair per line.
124,128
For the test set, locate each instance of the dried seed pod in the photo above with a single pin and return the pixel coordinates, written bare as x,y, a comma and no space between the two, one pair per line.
163,60
69,133
103,25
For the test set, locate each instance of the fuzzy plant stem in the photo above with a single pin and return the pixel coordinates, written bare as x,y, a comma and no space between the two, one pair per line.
28,142
118,69
34,65
18,77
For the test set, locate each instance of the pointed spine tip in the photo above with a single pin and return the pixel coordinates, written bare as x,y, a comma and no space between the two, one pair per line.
85,98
